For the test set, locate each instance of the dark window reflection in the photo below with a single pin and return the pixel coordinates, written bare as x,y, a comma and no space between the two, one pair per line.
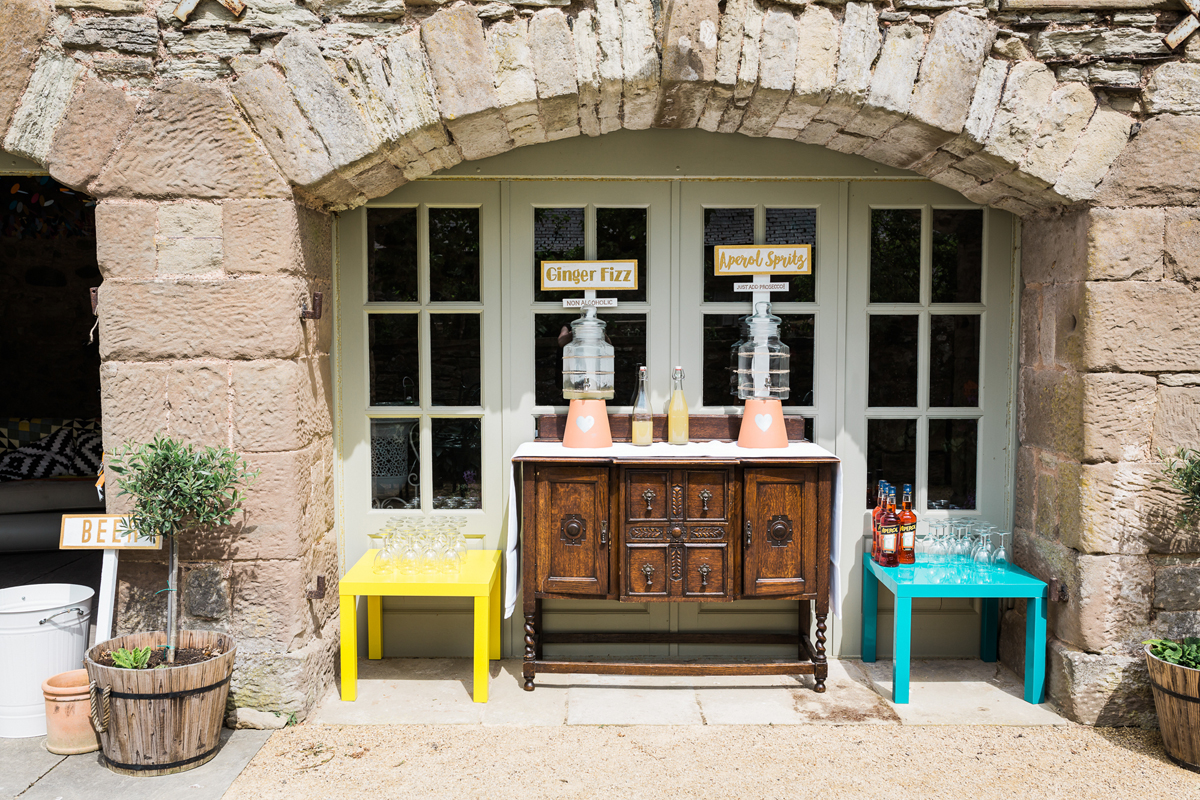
552,332
391,255
395,463
957,255
795,226
621,234
891,453
954,360
952,451
720,334
394,361
892,357
454,255
557,236
457,460
724,226
454,359
896,255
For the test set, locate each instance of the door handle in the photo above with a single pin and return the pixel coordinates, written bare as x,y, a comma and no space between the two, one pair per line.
747,533
604,531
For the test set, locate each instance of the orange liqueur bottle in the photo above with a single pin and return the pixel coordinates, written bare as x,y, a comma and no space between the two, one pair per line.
908,529
880,495
889,533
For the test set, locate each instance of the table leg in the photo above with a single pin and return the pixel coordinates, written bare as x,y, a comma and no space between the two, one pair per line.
902,649
349,639
870,614
374,626
496,613
1035,649
989,629
483,626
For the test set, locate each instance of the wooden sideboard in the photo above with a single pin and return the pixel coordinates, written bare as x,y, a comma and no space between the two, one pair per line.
677,530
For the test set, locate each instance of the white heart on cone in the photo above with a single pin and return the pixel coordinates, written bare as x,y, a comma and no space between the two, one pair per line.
585,423
763,421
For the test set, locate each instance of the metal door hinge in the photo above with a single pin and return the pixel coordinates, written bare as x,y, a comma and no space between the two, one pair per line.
1058,591
604,531
748,533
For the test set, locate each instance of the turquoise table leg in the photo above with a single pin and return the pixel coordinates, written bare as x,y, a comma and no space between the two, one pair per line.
989,629
870,614
1035,649
902,649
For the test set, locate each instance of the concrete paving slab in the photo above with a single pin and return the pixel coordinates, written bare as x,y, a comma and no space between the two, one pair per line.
633,705
953,692
748,705
848,698
23,762
509,704
84,776
424,691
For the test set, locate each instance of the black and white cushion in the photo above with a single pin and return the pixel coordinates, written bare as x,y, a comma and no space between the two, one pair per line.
47,458
88,454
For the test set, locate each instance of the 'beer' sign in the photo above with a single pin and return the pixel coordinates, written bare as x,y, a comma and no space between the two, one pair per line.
763,259
102,532
560,276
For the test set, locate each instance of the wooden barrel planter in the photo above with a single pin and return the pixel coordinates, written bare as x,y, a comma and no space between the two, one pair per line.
160,721
1177,700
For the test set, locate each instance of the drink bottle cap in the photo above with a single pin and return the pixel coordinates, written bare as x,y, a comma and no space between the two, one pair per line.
908,488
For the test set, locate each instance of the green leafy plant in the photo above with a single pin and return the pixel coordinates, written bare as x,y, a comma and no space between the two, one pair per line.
135,658
1185,653
178,488
1181,470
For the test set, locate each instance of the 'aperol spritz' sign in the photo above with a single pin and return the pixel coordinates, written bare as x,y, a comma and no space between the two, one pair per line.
763,259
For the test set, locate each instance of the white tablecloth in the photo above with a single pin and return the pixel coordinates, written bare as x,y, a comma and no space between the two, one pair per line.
693,450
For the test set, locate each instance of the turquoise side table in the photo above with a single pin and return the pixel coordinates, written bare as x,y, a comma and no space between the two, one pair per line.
916,580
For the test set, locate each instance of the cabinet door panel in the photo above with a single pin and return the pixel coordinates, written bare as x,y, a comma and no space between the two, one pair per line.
573,530
779,535
646,495
707,495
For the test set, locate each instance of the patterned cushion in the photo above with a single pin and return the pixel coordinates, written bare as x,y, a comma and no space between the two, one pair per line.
46,458
88,454
16,432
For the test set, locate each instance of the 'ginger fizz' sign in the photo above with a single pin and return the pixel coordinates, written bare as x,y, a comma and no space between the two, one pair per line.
568,275
763,259
101,532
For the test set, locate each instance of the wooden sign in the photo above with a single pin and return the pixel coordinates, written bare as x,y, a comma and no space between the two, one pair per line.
570,275
763,259
101,532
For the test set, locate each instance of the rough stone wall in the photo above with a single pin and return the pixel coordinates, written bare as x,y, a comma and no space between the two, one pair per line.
205,140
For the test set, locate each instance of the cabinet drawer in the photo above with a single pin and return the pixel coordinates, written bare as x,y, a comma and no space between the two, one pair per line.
705,572
646,572
706,494
646,494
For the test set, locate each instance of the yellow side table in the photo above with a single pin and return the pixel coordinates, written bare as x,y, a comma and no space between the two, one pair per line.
479,578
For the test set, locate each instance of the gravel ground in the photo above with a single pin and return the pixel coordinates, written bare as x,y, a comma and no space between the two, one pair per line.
468,761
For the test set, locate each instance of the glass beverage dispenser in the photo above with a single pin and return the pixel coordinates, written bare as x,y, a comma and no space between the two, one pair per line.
763,369
587,382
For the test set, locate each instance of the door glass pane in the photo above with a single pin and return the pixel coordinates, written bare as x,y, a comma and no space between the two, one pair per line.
892,361
797,331
891,453
716,385
896,255
954,360
952,449
391,255
457,460
795,226
395,370
395,463
626,332
557,236
724,226
454,359
957,255
621,234
454,255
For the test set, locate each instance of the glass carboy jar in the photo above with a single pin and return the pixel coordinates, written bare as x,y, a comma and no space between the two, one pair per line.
588,360
763,361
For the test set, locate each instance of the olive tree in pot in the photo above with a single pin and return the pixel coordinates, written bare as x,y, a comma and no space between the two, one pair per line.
158,698
1174,666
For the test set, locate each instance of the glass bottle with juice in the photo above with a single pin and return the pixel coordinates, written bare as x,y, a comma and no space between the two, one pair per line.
908,529
677,410
643,419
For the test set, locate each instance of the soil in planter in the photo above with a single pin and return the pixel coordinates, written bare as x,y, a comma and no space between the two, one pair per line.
184,655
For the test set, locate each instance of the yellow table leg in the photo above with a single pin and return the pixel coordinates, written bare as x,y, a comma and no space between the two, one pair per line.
349,637
483,627
374,626
497,599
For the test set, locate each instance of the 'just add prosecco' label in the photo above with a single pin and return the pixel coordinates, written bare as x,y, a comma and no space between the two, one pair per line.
764,259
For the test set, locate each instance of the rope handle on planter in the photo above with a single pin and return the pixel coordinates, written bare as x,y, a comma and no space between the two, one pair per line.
98,698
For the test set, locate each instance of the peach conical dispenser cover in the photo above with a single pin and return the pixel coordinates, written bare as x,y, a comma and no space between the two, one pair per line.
762,423
587,425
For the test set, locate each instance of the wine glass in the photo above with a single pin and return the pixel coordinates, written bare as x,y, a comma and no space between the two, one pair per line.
1000,556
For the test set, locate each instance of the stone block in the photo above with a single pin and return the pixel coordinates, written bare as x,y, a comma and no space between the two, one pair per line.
516,86
221,319
1126,244
1137,326
778,47
1104,690
274,15
286,683
1033,346
817,49
554,71
252,718
43,106
689,62
413,102
1069,307
216,43
1176,624
892,84
139,606
96,117
111,6
1102,142
268,606
1067,114
587,71
1174,88
1114,509
188,141
198,396
1118,410
1022,108
133,401
280,405
136,35
640,64
1055,249
205,592
188,239
1049,406
609,64
316,242
1177,588
125,246
1182,244
861,42
1025,497
907,144
1158,168
957,50
1176,418
22,26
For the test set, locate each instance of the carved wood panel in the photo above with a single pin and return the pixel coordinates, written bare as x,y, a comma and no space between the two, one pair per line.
572,507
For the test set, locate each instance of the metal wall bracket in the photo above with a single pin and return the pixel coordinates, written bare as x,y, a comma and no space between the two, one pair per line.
319,592
317,299
95,294
1058,591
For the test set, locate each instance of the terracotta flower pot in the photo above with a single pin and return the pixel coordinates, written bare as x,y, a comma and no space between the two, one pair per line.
68,725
